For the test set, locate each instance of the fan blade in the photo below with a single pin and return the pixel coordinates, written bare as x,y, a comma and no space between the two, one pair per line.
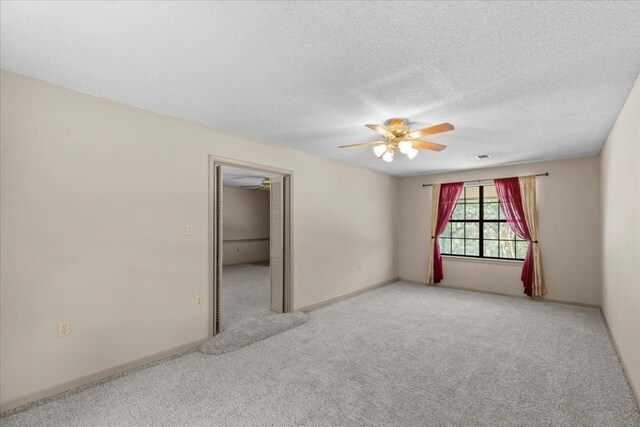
362,143
443,127
381,130
428,145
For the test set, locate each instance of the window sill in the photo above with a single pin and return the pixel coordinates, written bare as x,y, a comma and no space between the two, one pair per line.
482,260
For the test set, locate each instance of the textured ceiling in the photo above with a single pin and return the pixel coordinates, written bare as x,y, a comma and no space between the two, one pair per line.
520,81
239,177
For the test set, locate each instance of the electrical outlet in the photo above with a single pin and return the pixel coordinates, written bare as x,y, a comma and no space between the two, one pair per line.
188,229
64,329
198,300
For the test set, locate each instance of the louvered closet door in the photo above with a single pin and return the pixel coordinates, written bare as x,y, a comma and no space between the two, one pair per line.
277,244
217,247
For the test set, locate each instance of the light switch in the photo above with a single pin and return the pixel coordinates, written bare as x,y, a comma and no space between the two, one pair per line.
188,229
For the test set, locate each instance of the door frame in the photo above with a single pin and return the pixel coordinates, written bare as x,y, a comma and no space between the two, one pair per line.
216,203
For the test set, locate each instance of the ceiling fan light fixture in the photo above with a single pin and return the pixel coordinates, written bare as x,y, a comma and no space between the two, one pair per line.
379,150
411,153
397,136
405,147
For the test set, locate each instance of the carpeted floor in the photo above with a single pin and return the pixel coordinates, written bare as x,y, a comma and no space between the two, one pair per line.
246,316
400,355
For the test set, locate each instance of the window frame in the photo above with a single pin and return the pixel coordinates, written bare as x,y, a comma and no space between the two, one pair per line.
480,221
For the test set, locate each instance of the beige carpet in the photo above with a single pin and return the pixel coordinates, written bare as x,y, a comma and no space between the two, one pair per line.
400,355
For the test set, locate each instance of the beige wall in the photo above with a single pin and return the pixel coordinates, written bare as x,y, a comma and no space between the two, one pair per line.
620,164
245,218
95,196
569,221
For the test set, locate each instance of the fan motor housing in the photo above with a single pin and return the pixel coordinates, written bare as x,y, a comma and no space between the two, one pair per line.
398,127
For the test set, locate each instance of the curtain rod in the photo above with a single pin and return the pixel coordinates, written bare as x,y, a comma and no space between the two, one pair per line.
490,179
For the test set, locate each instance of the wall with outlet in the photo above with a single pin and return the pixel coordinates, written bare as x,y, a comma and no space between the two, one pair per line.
245,230
95,199
568,219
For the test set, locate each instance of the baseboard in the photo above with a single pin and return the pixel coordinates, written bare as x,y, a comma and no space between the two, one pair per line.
43,396
458,288
634,391
560,301
246,262
346,295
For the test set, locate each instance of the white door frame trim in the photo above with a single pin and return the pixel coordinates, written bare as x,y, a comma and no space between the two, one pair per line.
215,240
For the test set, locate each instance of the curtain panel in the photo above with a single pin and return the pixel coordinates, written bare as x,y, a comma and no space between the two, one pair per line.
529,204
514,194
443,201
435,199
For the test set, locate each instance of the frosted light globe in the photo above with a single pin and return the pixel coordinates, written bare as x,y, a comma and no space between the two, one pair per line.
379,150
405,146
411,153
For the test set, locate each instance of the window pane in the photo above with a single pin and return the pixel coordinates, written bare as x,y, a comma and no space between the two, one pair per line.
502,213
473,211
490,230
445,246
507,249
457,246
521,249
491,211
491,248
457,229
463,238
490,194
458,212
472,230
461,197
447,231
472,194
506,233
472,247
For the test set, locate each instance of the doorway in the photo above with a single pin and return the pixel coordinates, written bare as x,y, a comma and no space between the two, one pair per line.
250,257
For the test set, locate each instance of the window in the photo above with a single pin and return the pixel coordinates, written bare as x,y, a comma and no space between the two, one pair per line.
478,228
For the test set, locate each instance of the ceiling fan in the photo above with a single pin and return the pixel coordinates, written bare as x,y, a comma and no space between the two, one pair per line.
264,185
397,135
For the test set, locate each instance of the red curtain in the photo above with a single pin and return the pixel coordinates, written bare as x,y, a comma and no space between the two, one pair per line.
508,190
449,194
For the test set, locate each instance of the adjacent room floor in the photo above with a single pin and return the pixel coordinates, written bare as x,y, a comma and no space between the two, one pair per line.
245,293
246,316
404,354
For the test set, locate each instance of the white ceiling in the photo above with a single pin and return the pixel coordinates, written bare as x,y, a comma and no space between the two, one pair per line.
520,81
239,177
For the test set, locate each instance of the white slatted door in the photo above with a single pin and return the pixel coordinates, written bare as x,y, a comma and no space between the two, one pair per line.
277,243
217,247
